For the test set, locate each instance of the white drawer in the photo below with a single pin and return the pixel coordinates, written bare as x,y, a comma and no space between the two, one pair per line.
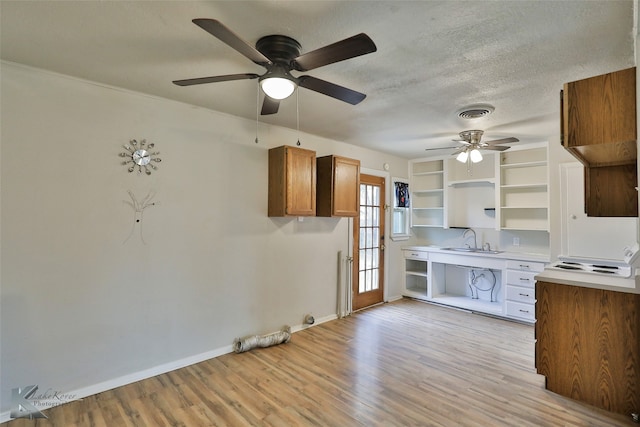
521,310
413,254
525,265
526,295
521,278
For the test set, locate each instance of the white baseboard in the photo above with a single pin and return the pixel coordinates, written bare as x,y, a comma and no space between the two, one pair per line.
160,369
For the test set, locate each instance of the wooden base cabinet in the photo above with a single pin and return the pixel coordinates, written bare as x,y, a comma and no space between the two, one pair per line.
588,345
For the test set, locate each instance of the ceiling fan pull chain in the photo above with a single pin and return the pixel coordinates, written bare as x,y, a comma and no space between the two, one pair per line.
257,108
298,115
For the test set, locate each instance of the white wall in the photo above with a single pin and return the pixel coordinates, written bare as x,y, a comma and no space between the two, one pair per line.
78,306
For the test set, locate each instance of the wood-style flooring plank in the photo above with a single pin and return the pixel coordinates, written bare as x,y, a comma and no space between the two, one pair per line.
406,363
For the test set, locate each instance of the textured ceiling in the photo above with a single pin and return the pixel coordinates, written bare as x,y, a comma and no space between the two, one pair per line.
433,58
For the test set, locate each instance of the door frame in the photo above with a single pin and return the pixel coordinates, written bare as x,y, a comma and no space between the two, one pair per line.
387,239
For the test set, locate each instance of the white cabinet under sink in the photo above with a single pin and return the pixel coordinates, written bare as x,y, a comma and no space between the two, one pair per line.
500,284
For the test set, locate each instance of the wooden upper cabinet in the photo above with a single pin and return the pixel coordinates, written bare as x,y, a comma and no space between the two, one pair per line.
610,191
338,192
599,119
292,182
598,126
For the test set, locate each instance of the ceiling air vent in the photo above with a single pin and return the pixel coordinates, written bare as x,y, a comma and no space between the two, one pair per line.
476,111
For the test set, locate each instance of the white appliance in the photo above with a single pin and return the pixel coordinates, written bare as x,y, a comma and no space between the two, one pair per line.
597,273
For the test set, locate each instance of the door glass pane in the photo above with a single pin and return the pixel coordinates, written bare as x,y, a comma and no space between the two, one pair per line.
376,196
370,238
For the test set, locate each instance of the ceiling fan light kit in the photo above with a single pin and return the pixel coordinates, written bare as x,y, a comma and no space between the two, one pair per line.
475,156
277,87
463,156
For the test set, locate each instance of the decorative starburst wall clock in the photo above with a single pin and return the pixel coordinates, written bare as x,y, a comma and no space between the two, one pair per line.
139,157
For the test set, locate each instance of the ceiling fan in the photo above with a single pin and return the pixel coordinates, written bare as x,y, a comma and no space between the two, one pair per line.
280,55
472,144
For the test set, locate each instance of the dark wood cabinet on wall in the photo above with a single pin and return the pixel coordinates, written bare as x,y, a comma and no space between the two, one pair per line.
598,126
588,345
338,186
292,182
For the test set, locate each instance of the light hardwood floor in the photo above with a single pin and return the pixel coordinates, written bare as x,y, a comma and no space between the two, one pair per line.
406,363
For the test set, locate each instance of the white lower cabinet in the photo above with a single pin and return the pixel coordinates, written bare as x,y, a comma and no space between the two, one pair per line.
416,273
488,284
520,289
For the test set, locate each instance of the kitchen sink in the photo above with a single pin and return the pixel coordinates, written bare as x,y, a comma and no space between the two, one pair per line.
480,251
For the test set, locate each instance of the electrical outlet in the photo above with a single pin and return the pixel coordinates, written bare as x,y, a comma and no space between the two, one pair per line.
516,241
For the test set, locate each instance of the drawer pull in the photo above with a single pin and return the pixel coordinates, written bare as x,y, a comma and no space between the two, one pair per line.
523,311
525,266
415,254
523,295
524,279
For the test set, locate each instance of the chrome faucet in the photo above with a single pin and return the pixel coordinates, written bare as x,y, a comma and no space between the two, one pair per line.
475,240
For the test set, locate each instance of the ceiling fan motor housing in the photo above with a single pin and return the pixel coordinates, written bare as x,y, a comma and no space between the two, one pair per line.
279,49
472,136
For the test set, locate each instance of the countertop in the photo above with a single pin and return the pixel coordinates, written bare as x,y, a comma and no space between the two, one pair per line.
629,285
521,256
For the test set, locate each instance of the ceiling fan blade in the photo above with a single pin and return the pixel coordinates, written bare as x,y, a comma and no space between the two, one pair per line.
214,79
501,141
494,148
269,106
224,34
462,141
331,89
357,45
439,148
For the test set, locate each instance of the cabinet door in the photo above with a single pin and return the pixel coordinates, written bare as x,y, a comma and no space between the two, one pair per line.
599,118
301,182
292,182
338,186
346,187
610,191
